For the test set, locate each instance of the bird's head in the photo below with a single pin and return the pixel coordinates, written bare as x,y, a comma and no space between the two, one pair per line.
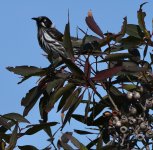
43,22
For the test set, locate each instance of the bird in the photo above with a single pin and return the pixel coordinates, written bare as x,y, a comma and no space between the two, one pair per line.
49,38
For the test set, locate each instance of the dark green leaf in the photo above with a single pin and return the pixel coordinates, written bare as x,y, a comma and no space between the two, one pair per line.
4,123
134,30
53,98
73,67
145,51
26,70
13,139
129,87
30,99
27,147
16,117
92,143
67,42
82,132
37,127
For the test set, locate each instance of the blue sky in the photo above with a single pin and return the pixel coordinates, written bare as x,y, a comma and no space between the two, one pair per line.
19,44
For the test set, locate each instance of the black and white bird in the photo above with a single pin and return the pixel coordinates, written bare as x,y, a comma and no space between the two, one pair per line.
50,39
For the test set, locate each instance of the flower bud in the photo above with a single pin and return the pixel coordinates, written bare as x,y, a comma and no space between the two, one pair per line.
140,137
132,110
149,134
149,103
118,124
143,126
123,129
132,120
124,119
136,95
129,95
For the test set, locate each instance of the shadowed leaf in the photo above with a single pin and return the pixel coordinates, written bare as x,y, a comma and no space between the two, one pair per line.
27,147
16,117
4,123
82,132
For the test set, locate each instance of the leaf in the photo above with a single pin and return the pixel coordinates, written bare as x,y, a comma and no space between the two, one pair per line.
75,142
27,147
73,67
37,127
141,15
72,109
117,56
30,99
4,123
134,30
64,98
66,146
145,51
67,42
57,95
129,87
26,70
82,132
123,30
13,139
15,116
93,25
71,100
79,118
107,73
92,143
87,68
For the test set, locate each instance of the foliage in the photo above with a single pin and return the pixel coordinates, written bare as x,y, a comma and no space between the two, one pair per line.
116,63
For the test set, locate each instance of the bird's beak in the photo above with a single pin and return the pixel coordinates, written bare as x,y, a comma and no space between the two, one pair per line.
36,19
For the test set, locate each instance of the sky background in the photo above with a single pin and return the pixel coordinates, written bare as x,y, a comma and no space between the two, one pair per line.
19,46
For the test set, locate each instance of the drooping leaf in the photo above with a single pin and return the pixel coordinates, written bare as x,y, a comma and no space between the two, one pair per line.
13,139
93,25
134,30
26,70
141,15
57,95
71,100
136,57
82,132
87,68
17,117
145,51
73,67
30,99
116,56
67,42
37,127
27,147
64,98
107,73
72,109
105,135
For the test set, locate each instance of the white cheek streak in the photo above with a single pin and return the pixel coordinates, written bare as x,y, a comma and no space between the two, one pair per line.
43,24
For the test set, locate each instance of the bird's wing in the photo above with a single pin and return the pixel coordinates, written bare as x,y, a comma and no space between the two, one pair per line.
53,32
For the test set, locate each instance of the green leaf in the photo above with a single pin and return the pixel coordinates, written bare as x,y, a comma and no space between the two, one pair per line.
37,127
13,139
141,15
134,30
30,99
4,123
26,70
71,100
73,67
75,142
53,98
15,116
27,147
117,56
64,98
67,42
129,87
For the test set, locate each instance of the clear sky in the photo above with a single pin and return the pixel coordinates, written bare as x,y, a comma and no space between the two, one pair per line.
19,46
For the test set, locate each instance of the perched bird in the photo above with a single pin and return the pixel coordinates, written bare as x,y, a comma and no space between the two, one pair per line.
50,39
